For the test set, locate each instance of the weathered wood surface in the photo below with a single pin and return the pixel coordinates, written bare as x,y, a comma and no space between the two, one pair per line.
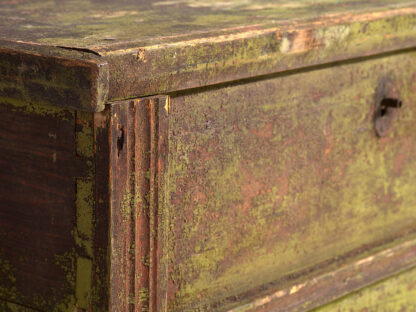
53,234
265,185
7,306
217,195
51,76
396,294
138,267
324,288
106,25
159,47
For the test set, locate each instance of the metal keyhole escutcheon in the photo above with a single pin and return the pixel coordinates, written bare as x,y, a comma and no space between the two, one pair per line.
388,104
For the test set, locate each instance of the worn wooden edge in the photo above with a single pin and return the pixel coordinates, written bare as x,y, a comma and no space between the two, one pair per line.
335,284
138,276
101,265
55,76
258,50
140,225
134,70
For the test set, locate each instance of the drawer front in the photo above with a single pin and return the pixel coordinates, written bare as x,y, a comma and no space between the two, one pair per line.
273,179
257,189
396,294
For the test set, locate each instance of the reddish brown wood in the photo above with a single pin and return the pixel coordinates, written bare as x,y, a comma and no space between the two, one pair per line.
47,156
53,76
37,216
101,265
262,182
330,286
138,271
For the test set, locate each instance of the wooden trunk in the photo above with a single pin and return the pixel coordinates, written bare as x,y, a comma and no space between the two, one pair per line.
207,156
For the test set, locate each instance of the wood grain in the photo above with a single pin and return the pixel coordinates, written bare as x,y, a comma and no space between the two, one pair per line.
73,23
280,179
51,76
162,47
37,192
396,294
138,259
348,279
271,195
53,233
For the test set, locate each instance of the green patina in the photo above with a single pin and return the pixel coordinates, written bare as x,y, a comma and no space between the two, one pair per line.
43,78
83,283
154,48
60,299
85,136
236,180
272,50
68,264
147,22
38,109
256,54
11,307
7,274
85,209
333,179
85,205
76,268
126,207
395,294
144,297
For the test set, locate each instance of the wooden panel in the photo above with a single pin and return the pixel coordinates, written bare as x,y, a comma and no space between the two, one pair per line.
164,46
138,261
74,23
52,76
275,181
49,251
396,294
11,307
313,292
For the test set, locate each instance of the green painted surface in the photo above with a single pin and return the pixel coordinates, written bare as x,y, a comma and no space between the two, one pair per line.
396,294
12,307
166,46
45,76
270,178
52,263
105,23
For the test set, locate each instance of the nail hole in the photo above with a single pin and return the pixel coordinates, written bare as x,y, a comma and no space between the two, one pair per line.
120,140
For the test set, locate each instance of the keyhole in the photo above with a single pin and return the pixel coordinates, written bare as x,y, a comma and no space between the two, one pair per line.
389,102
385,115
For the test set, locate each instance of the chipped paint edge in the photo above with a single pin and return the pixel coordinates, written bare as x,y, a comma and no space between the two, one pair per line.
95,68
383,264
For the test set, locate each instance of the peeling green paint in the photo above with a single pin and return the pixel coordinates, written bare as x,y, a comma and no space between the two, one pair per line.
155,48
12,307
395,294
73,269
67,262
7,273
147,22
49,76
84,135
83,282
39,109
144,298
290,163
85,223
